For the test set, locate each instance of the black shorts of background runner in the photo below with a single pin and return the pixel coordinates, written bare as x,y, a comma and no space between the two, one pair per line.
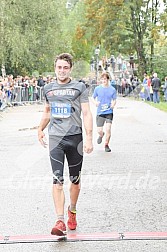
70,147
101,119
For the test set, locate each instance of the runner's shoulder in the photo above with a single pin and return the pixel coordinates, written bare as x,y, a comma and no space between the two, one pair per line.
48,87
81,86
98,87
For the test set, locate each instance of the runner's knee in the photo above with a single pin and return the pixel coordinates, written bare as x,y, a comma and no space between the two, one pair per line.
58,178
75,179
100,131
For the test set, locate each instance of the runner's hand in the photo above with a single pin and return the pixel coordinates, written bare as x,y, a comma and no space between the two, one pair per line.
41,138
97,103
88,147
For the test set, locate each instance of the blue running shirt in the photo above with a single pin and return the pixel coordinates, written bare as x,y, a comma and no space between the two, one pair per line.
104,95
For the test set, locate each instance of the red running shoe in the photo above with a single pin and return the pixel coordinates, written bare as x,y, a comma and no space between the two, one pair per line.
72,223
59,228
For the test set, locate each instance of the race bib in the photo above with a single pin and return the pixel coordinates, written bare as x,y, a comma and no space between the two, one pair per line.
104,107
61,110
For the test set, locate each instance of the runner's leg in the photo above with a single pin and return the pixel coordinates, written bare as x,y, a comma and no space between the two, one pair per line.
57,157
59,200
100,131
74,155
108,133
100,120
109,118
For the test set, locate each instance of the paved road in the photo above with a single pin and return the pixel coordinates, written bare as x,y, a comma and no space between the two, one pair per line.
121,191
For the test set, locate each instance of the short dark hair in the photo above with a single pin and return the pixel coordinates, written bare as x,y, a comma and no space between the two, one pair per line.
64,56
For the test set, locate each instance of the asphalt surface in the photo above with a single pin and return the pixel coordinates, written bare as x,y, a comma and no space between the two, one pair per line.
121,191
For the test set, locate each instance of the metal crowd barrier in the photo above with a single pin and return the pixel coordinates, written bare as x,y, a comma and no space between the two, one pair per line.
24,95
20,95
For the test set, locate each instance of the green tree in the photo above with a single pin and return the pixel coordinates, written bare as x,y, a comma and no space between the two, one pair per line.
31,34
125,26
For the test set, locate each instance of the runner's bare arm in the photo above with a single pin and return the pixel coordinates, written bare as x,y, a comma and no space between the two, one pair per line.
113,103
88,125
43,123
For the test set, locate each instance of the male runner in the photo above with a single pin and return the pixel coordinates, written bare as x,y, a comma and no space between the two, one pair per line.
65,100
104,97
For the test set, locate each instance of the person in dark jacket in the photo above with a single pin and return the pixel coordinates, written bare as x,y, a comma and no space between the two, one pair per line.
156,84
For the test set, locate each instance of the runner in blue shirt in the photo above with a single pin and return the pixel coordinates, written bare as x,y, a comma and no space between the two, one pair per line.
104,97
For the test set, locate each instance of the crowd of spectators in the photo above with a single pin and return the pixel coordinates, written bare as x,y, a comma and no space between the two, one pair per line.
21,89
123,73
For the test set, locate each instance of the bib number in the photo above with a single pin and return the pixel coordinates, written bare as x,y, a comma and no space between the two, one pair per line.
61,110
104,107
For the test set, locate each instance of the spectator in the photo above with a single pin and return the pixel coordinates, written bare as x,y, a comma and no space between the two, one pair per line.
92,64
119,62
113,83
156,84
113,62
165,89
124,66
1,97
131,61
40,82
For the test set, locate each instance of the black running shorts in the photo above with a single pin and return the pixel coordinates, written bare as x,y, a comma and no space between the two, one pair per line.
101,119
70,147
